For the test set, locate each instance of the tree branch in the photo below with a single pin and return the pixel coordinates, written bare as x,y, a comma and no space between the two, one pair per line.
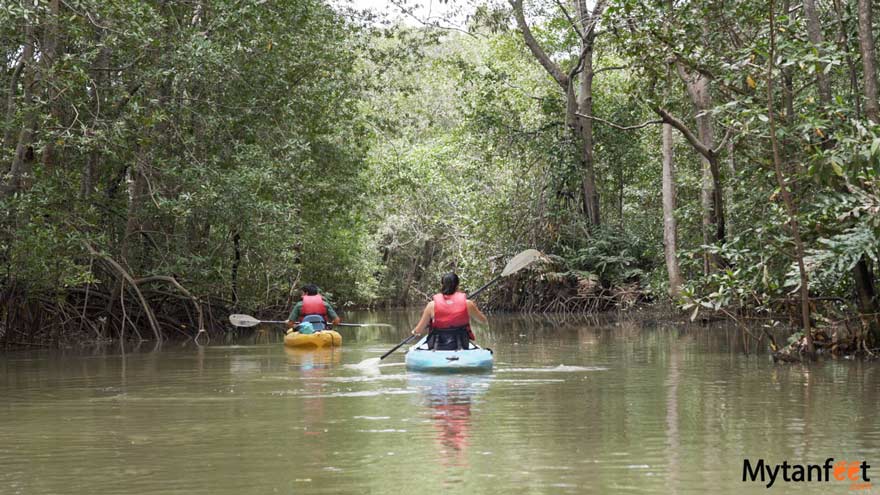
550,66
613,67
570,20
618,126
687,133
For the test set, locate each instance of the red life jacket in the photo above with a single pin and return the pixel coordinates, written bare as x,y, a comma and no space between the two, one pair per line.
452,312
313,305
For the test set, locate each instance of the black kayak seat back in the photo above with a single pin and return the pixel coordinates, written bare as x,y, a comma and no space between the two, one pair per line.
317,321
448,339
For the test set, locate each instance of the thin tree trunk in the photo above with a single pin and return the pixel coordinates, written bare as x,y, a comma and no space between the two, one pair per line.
845,47
236,261
10,101
49,55
814,31
585,107
137,191
670,234
869,61
711,198
793,223
93,160
730,222
582,128
23,157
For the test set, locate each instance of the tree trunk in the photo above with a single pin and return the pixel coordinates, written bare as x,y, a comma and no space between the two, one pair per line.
862,275
585,107
711,198
730,224
670,234
8,133
814,31
98,77
844,46
793,223
137,191
869,61
49,54
582,128
23,157
236,261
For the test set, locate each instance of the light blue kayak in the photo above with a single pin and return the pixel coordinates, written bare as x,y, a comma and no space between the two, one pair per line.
474,359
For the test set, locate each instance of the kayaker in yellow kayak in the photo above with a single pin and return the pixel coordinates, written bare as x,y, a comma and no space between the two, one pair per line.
312,304
449,314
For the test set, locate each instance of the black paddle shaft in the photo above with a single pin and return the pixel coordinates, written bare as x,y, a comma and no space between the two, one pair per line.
474,294
397,347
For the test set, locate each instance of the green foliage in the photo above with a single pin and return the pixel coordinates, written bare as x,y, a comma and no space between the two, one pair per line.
613,255
256,146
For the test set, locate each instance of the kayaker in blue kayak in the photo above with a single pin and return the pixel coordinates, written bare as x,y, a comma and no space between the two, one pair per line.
312,304
449,314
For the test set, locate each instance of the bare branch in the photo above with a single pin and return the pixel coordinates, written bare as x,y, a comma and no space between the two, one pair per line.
613,67
428,22
618,126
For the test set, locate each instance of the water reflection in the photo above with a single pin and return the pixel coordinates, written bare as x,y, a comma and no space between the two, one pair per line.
622,406
311,361
450,399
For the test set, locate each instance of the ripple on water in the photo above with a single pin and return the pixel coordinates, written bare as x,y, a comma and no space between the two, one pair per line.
361,393
562,368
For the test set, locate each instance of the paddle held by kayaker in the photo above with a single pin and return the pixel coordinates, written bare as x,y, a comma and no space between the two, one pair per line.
312,304
449,314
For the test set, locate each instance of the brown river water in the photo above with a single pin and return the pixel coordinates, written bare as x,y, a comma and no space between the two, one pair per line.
626,403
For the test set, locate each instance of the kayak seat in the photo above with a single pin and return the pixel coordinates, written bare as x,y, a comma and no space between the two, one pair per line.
448,339
317,322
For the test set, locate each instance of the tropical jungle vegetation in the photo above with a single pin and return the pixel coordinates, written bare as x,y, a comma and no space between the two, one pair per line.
167,163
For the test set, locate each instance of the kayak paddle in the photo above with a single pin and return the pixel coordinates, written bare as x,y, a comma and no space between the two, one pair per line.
515,264
250,321
363,325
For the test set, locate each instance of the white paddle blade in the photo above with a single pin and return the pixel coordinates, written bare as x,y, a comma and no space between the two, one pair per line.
243,320
368,363
521,261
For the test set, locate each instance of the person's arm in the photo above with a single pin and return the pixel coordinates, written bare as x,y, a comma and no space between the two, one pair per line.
425,319
474,312
294,315
331,314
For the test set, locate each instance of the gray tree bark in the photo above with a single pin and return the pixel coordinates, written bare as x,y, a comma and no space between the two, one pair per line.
21,160
814,31
711,198
576,102
869,61
670,234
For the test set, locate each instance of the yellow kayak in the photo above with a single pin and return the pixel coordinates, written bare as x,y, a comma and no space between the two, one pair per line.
323,338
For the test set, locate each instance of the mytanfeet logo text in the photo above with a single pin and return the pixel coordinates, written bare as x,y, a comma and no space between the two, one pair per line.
853,472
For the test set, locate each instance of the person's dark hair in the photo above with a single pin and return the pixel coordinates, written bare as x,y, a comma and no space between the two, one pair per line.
310,289
448,284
